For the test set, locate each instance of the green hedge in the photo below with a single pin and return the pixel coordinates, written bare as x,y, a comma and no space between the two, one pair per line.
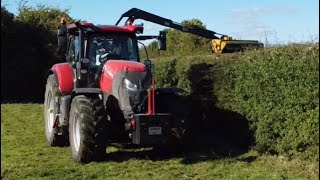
28,50
277,90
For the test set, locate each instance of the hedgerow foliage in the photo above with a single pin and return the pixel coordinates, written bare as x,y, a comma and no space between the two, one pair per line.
47,17
277,90
181,43
28,49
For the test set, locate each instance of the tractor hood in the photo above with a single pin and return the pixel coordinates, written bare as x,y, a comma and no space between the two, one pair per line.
112,67
127,81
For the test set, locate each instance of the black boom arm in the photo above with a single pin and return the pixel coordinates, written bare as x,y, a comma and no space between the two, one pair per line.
135,13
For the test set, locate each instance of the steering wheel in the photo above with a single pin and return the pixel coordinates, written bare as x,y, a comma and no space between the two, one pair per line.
104,57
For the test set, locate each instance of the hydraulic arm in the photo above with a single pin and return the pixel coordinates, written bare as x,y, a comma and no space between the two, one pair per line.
135,13
218,45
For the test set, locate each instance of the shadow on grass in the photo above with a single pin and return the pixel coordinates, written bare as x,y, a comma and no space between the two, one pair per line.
224,137
214,133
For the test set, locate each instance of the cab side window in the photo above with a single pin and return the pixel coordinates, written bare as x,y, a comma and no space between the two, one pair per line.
131,53
73,53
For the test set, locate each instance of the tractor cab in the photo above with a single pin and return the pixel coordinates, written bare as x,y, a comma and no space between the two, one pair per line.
103,42
90,47
99,47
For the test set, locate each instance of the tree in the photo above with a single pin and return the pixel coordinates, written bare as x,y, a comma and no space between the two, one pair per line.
6,19
44,16
193,23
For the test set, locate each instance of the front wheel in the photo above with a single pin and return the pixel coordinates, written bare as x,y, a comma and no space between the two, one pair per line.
87,129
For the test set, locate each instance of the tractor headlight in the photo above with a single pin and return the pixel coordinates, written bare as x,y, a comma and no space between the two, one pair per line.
129,85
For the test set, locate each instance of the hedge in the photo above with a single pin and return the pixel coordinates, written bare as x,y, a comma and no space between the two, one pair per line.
276,90
28,50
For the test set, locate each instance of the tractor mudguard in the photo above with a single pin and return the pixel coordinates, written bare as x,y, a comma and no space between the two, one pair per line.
64,75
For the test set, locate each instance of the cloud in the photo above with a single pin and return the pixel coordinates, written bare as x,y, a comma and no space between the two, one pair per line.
251,26
251,15
243,20
256,11
255,32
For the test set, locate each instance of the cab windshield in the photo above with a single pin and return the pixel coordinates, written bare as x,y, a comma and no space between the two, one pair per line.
111,46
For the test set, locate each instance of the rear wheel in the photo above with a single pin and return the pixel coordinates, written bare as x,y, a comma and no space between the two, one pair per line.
87,129
51,107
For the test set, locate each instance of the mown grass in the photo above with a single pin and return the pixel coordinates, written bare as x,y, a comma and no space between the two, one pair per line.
26,155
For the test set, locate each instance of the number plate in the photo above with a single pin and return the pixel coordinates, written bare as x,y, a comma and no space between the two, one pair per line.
155,130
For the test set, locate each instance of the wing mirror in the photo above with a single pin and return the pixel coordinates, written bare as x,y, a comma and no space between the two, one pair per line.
162,40
148,64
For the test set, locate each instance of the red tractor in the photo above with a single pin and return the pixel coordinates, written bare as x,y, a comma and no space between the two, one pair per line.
105,94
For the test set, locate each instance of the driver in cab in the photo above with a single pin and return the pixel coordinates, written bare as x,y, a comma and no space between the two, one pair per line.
102,52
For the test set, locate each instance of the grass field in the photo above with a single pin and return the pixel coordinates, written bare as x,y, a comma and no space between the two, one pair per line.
26,155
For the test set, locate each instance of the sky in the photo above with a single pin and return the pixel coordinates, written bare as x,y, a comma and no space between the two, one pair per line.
271,21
